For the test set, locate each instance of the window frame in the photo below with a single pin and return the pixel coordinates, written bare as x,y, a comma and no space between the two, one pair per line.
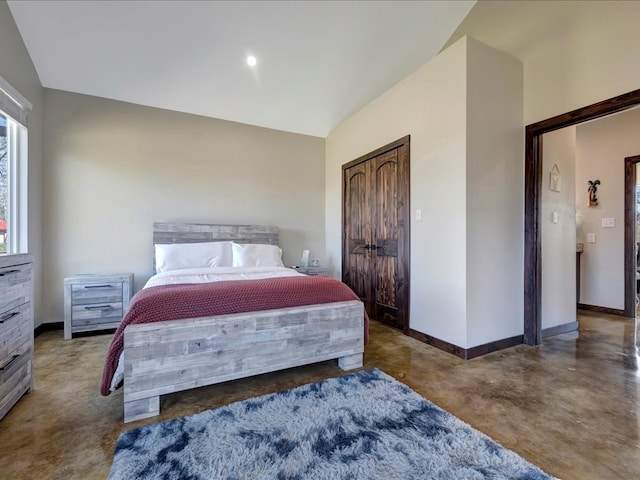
15,108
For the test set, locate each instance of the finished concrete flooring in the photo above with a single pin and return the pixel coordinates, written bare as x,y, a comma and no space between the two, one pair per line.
570,406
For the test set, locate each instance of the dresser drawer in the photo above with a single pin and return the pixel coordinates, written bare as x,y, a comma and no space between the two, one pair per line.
15,286
15,377
15,329
89,293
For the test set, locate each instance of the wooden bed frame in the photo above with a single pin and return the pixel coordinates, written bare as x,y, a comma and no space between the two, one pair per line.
176,355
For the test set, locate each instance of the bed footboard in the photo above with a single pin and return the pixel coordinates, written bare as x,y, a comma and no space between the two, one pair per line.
176,355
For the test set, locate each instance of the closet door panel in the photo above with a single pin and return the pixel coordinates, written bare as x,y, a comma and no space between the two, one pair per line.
384,171
356,272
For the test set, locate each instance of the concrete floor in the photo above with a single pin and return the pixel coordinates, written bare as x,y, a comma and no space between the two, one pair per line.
571,406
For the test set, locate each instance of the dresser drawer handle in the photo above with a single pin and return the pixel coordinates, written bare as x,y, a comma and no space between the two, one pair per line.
106,285
99,307
8,316
8,272
11,362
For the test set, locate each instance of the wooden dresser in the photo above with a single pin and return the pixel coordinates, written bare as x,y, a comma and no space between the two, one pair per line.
95,302
16,329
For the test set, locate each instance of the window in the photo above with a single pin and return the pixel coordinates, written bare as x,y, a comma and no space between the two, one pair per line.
4,186
13,169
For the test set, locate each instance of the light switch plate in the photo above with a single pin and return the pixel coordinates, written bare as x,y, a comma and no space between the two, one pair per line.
591,238
418,214
609,222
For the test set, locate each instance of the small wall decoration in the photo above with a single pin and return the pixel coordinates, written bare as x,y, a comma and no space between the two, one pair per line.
593,191
555,180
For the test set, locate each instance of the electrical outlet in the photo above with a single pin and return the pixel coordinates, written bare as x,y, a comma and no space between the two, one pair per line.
591,238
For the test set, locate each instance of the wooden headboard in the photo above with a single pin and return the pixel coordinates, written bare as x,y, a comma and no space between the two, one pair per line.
164,233
202,232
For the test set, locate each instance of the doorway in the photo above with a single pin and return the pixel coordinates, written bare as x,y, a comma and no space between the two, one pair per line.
631,235
533,189
375,232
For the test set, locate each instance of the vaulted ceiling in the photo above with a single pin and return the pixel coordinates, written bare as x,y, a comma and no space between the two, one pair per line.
318,62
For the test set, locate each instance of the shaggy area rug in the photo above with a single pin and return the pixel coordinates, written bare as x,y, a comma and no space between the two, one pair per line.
364,425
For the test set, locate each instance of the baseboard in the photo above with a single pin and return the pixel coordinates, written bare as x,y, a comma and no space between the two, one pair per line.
439,344
595,308
466,353
480,350
47,327
559,329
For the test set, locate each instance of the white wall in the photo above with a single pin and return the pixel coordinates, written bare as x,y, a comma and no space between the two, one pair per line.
495,193
430,106
113,168
16,68
602,146
590,57
436,106
575,53
558,239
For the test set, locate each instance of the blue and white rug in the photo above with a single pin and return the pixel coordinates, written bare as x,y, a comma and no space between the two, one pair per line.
364,425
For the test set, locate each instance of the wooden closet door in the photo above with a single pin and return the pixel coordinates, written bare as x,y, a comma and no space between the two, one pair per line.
376,232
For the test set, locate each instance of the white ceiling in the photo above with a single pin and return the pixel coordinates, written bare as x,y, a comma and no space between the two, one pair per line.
318,61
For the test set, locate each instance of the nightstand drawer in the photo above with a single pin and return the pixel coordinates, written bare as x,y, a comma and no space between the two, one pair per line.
15,286
15,329
317,273
96,313
100,292
313,271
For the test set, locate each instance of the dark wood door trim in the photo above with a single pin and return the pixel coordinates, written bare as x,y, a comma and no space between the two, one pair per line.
532,239
629,235
533,187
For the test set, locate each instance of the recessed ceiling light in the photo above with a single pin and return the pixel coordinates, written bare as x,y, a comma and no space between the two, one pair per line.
251,61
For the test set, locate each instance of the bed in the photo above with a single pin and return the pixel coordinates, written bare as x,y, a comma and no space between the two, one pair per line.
190,350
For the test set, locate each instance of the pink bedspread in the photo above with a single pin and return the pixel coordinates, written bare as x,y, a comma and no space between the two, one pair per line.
176,302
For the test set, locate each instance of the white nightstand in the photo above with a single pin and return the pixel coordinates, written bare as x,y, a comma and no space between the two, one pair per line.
313,271
95,302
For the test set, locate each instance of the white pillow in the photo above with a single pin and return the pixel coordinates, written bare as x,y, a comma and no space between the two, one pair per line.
256,255
176,256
